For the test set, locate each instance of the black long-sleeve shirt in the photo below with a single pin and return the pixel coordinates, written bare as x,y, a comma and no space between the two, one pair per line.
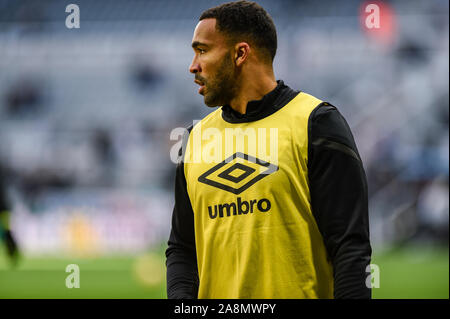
339,200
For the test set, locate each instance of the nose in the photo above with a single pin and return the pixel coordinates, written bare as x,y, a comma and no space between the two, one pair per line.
194,67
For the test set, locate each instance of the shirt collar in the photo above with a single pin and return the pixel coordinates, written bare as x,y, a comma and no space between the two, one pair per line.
255,107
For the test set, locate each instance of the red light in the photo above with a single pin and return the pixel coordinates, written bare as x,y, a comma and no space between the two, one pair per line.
378,21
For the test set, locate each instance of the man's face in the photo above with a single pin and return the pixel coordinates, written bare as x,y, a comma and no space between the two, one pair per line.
213,64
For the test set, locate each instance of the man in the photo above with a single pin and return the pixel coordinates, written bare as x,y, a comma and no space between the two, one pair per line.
293,225
5,232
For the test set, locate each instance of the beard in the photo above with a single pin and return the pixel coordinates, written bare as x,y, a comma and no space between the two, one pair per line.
221,87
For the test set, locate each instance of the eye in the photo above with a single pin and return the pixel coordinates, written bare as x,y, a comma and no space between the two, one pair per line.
202,51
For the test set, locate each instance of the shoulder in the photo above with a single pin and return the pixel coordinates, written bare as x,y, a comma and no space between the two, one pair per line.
327,122
196,126
207,120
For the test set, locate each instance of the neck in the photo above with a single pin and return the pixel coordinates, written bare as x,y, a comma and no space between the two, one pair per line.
254,89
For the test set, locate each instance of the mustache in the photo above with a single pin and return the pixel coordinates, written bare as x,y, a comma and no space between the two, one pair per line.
200,79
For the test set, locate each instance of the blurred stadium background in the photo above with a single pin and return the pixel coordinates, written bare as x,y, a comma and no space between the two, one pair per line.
86,115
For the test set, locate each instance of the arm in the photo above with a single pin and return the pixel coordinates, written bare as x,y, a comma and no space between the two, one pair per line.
339,200
5,232
3,202
181,258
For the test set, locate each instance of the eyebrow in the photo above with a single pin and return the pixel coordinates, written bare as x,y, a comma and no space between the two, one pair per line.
196,44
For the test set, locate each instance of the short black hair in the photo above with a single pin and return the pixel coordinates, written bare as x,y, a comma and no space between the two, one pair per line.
245,20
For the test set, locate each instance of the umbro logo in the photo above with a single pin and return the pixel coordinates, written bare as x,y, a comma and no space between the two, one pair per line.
237,173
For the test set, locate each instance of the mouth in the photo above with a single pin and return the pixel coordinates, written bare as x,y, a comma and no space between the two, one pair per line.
202,86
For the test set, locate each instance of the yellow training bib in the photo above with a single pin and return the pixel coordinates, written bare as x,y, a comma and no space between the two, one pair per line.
256,236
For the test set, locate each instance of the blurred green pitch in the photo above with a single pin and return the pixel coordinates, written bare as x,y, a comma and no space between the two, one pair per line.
409,272
103,278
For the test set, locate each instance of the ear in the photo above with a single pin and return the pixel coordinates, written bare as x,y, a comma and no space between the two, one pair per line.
241,53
